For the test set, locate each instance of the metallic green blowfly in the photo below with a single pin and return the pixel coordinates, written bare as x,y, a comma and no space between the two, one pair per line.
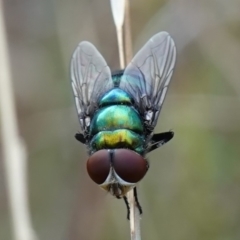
119,111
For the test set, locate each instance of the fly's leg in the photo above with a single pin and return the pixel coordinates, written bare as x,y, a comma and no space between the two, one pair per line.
136,200
127,205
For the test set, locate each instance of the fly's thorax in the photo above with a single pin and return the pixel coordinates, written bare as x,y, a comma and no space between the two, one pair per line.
116,167
121,138
114,97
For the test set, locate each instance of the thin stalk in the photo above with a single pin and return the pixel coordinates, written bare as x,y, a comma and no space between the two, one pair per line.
134,217
121,47
14,153
127,33
118,10
125,52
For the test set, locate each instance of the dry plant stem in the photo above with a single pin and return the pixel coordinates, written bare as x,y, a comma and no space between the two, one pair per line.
134,217
118,11
127,33
120,47
14,154
134,212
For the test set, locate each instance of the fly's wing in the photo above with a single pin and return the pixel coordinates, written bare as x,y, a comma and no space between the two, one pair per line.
90,79
148,75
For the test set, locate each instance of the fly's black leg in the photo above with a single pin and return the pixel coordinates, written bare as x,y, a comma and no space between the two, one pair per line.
159,139
136,200
127,205
80,138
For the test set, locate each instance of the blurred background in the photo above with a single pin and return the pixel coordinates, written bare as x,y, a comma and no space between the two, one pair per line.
192,189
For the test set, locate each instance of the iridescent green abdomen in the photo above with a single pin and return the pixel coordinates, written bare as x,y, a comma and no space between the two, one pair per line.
116,117
116,124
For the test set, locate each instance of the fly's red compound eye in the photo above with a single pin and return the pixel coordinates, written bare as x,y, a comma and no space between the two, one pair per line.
98,166
129,165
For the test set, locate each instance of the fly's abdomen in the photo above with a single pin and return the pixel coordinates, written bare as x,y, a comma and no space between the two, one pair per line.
116,117
121,138
117,124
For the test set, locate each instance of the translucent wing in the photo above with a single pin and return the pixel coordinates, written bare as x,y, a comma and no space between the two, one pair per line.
148,75
90,78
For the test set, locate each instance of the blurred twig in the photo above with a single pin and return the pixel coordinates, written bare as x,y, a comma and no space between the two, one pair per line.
13,148
127,33
118,10
134,212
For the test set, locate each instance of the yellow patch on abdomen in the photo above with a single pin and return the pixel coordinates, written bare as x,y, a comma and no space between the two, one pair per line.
121,138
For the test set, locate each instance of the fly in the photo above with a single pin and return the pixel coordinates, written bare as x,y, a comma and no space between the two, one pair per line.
119,111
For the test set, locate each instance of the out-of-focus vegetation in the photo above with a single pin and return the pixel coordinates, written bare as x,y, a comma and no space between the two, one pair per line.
192,189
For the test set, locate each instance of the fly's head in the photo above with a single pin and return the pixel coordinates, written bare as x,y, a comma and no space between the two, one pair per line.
116,170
